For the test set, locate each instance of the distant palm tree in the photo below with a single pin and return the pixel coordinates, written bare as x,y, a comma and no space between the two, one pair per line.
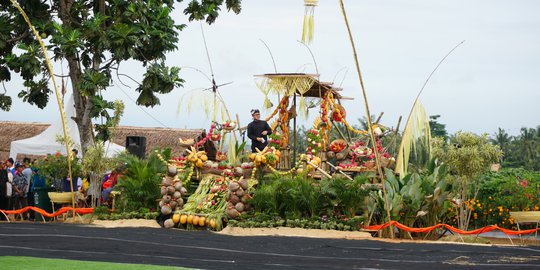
502,139
528,140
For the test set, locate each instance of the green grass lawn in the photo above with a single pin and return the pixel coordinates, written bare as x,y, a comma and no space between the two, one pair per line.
12,262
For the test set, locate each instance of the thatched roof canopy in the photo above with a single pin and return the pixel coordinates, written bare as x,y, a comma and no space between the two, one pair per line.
317,89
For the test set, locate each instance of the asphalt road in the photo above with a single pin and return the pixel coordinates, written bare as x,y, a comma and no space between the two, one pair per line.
208,250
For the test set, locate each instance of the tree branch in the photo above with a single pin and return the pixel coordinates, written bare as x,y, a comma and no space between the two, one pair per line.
23,35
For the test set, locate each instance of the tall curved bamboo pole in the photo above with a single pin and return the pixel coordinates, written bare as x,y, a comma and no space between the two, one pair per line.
58,99
368,116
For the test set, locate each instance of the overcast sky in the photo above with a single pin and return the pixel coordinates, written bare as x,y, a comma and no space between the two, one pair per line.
490,81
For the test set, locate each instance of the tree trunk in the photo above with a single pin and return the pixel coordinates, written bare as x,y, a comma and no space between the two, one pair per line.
83,105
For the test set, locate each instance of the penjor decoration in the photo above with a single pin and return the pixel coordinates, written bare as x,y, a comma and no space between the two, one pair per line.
307,30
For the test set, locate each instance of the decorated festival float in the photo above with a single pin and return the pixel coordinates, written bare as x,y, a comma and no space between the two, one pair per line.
345,178
224,182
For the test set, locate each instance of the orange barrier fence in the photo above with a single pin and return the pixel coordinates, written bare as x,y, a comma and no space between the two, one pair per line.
448,227
63,210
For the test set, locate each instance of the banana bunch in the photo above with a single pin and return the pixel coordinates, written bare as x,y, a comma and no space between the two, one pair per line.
267,155
197,158
187,142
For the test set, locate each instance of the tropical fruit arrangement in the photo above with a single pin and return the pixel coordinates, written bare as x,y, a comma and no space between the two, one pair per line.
172,192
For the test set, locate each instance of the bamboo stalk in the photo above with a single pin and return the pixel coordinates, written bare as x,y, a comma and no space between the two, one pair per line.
319,169
339,130
379,118
58,98
370,129
340,171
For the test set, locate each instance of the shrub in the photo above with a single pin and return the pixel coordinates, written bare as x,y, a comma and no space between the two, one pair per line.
505,191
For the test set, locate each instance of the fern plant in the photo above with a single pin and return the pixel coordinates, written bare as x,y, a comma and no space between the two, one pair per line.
139,186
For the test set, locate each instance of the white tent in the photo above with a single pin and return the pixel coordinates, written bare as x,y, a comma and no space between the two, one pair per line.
45,142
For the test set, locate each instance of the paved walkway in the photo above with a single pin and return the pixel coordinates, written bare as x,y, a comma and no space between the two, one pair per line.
208,250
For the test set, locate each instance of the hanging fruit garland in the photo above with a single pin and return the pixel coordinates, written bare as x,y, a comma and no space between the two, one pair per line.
207,137
293,169
276,110
338,115
284,123
325,125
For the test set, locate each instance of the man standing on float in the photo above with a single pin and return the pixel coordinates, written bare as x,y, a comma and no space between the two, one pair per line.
257,131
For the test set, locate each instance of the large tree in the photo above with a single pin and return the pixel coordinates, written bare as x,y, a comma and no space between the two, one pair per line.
95,37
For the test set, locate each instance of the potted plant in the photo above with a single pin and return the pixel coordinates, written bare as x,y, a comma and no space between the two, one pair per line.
55,169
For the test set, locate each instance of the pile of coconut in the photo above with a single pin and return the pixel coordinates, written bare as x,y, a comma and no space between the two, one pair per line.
172,191
237,197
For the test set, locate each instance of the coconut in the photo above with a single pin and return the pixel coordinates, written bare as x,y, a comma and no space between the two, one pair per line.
169,223
245,198
240,207
176,195
163,190
172,170
238,170
330,154
180,202
166,210
166,181
229,205
178,185
170,190
234,199
233,186
239,192
183,191
243,183
228,196
232,212
166,198
161,203
173,204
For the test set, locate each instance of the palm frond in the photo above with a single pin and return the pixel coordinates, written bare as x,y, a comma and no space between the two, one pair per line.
416,134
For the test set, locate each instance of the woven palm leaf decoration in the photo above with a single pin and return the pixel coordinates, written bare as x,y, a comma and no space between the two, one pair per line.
265,88
416,133
307,30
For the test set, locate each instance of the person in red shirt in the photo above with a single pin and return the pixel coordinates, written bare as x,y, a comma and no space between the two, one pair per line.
108,185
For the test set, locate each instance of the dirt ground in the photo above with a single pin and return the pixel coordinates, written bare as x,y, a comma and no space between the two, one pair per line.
315,233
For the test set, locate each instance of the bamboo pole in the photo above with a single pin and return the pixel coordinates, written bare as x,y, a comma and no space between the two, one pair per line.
58,99
294,130
370,129
338,170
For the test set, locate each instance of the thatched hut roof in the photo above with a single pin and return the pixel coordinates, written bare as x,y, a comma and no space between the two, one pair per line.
318,88
155,137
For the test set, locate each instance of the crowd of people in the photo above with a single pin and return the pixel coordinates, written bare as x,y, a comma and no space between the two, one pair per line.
19,180
17,183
